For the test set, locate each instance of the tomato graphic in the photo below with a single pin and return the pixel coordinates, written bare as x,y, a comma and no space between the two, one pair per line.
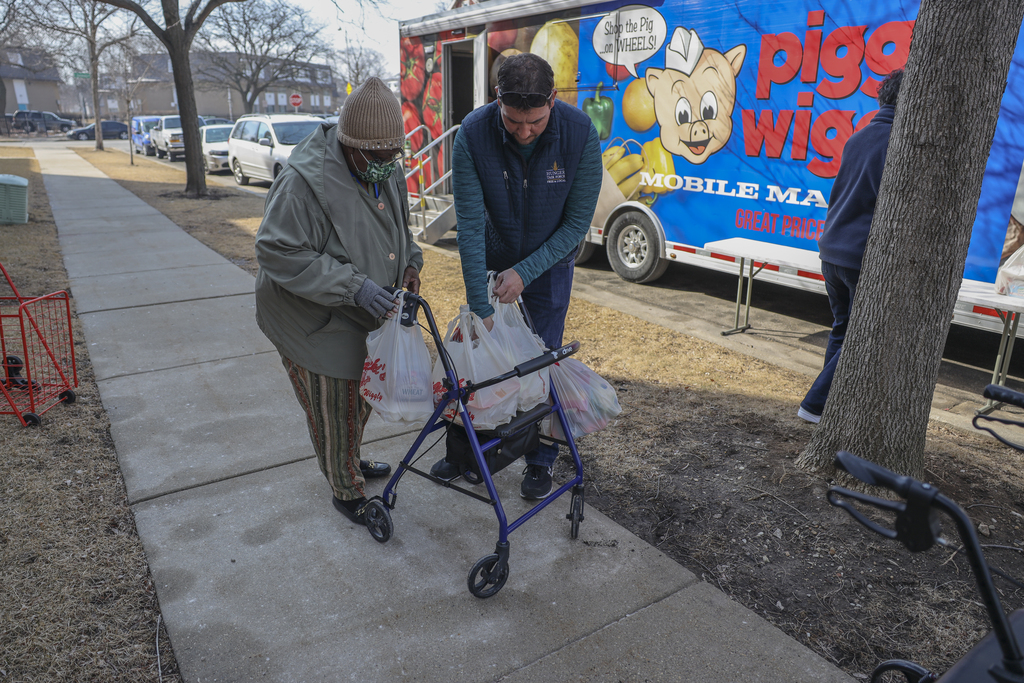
412,68
411,119
617,71
432,106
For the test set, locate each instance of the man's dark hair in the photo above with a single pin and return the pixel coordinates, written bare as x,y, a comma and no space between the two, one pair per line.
526,73
889,90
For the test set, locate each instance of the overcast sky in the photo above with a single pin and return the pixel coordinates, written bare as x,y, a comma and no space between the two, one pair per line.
380,26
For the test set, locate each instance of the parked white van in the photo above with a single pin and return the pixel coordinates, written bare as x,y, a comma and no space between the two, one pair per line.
260,144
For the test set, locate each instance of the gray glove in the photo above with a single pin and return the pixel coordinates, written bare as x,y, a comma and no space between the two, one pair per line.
374,299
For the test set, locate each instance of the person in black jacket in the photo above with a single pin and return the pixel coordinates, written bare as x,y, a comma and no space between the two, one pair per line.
851,207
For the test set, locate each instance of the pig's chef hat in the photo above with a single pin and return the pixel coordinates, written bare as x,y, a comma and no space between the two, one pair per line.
684,51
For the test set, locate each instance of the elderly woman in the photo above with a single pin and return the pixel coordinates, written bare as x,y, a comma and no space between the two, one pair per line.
334,235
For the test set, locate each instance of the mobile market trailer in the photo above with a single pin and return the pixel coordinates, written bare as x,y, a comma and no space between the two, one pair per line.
718,120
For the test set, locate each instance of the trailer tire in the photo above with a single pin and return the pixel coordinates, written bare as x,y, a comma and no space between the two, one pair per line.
585,251
634,248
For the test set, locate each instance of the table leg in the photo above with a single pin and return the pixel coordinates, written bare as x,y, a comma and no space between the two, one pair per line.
1001,370
751,273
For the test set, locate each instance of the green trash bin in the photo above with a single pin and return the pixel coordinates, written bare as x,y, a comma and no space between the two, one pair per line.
13,199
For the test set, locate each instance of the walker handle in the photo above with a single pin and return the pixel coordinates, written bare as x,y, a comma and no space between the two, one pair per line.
548,358
999,393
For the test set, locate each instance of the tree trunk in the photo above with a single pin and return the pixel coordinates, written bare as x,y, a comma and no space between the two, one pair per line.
3,108
94,79
195,179
946,116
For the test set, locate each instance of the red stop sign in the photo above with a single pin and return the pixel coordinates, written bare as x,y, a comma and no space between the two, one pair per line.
295,99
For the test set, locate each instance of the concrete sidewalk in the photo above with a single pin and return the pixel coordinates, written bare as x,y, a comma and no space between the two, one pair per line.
259,577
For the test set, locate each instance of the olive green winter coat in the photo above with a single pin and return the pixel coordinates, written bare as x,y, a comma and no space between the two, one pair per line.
322,235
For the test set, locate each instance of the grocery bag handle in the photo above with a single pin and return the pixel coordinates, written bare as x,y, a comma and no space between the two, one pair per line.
409,302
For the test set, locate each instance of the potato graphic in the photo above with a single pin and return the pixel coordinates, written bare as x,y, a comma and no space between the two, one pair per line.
557,43
498,61
638,106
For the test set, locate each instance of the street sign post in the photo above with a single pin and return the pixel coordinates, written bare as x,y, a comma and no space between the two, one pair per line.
295,100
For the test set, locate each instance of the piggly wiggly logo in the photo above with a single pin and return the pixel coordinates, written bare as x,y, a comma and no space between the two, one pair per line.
694,96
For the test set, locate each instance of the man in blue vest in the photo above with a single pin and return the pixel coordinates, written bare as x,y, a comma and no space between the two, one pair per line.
527,173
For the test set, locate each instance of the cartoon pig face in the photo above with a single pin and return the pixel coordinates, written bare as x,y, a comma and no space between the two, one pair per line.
695,111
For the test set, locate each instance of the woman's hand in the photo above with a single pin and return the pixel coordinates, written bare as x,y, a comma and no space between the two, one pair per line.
411,280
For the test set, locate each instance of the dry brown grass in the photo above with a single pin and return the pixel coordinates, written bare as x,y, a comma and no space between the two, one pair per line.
700,464
76,599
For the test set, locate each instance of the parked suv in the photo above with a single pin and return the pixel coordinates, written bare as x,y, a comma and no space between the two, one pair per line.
260,144
167,137
141,140
31,121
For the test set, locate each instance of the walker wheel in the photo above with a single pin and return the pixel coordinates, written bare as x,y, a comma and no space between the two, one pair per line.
485,578
378,521
575,515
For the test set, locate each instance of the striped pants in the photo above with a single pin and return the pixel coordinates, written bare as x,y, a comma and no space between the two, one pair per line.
335,415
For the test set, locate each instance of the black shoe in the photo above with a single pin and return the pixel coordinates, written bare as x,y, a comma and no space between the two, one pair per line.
445,471
536,483
353,509
372,470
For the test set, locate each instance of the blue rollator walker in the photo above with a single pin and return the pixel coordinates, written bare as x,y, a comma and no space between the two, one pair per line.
996,658
491,572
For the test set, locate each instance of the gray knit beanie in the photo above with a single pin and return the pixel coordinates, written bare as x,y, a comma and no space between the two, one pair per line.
372,118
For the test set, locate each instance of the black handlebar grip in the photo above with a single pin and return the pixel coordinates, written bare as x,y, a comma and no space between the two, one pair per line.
549,358
997,392
873,474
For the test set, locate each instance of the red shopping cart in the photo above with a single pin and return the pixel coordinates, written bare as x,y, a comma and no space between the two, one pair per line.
37,352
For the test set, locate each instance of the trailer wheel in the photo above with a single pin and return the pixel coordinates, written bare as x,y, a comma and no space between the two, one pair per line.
634,248
585,251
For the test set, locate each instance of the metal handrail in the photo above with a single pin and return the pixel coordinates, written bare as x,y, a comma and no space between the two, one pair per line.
434,143
418,169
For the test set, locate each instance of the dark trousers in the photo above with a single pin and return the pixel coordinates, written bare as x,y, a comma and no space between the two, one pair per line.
547,301
841,284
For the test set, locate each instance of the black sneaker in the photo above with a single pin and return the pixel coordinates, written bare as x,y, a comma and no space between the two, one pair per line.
444,470
536,483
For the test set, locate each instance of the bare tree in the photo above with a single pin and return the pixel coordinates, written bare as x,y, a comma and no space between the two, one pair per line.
124,73
257,44
8,22
87,22
177,35
880,399
356,63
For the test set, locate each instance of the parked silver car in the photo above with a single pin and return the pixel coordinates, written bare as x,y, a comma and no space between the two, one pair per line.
260,144
214,140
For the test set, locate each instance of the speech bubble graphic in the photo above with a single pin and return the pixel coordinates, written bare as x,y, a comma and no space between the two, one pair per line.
630,35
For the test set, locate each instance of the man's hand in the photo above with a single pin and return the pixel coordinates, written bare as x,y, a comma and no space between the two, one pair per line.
508,286
411,280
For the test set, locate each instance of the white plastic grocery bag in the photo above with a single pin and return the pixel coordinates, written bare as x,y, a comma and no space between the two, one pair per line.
520,344
1010,276
476,356
396,373
587,399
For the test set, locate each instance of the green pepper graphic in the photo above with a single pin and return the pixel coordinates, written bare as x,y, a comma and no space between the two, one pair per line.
600,110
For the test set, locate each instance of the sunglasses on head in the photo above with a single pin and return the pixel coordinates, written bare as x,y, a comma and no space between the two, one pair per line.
518,100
